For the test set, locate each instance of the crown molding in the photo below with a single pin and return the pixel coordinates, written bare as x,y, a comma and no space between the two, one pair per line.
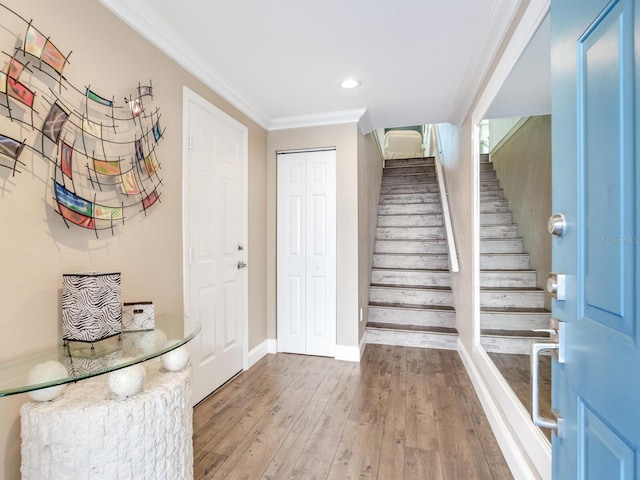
148,24
320,119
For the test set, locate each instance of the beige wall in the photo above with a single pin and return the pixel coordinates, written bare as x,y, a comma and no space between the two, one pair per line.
36,246
523,166
344,138
369,180
458,171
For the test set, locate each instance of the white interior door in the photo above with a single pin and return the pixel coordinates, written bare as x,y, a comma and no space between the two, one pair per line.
215,241
306,253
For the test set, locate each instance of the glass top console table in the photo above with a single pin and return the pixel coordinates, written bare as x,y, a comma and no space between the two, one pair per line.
82,361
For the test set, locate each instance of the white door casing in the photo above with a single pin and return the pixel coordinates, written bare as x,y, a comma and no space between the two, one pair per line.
306,252
215,243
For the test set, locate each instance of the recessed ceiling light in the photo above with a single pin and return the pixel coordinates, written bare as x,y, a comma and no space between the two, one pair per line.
350,83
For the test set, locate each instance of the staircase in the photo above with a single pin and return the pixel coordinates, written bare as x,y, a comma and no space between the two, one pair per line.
511,305
410,299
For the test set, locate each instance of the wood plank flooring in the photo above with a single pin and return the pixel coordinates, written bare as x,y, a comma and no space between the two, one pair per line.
402,413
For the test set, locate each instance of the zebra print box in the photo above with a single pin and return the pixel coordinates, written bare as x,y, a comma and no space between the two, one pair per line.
91,308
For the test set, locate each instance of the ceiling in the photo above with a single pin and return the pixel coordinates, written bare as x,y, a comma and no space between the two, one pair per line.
281,63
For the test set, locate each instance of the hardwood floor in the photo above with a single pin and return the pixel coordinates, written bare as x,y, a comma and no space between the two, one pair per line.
402,413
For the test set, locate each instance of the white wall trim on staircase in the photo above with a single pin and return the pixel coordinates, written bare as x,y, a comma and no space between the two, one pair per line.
522,463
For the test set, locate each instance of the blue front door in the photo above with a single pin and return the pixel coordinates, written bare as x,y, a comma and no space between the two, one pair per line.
596,142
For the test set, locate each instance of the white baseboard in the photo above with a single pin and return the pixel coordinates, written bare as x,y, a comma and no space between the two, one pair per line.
349,353
257,353
272,345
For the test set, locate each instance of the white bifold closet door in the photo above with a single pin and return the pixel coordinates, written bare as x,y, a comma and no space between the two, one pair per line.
306,252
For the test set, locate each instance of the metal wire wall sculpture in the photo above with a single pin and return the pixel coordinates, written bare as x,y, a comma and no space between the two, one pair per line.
103,152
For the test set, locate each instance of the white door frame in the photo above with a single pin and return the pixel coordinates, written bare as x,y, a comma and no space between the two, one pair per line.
187,96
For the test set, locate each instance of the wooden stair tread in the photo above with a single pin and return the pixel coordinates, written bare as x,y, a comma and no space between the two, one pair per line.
414,328
442,308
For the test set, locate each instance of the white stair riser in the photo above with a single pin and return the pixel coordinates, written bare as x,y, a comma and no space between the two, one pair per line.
410,246
515,346
491,195
409,170
410,233
526,279
512,299
410,209
433,262
499,231
411,339
513,321
409,316
413,278
410,188
510,245
403,296
405,179
504,261
496,218
403,162
409,198
409,220
490,187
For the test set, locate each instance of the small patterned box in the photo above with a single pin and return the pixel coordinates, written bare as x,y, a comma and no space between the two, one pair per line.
137,316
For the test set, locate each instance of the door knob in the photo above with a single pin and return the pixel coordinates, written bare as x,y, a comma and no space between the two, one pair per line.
556,286
241,265
556,224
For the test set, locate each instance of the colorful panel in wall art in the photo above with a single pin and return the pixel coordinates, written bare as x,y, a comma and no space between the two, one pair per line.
106,168
108,213
145,91
136,108
73,201
20,92
88,129
10,148
91,308
66,154
151,165
129,183
139,150
15,68
157,132
150,199
98,99
53,124
77,218
52,57
34,41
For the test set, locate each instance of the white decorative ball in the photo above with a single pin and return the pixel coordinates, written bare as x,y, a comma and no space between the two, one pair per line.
176,359
47,372
127,381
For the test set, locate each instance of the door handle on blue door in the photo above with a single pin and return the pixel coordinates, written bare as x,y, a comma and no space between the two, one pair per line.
556,346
